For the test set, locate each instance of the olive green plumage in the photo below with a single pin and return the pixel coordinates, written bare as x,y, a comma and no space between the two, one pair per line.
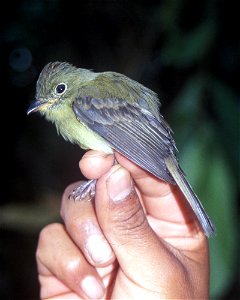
109,111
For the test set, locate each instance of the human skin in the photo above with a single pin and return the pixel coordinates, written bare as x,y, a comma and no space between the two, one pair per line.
134,241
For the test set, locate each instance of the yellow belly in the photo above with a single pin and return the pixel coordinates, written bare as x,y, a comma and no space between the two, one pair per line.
78,133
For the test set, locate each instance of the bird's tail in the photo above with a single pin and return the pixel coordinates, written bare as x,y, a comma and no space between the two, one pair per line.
185,187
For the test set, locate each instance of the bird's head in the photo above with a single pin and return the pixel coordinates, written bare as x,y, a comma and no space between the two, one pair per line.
57,87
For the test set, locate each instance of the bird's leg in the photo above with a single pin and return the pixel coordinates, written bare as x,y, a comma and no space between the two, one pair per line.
86,191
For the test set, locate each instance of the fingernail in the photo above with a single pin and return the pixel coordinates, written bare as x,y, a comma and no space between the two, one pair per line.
92,288
119,185
98,249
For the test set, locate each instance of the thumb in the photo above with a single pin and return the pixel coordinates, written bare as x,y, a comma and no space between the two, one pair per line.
139,251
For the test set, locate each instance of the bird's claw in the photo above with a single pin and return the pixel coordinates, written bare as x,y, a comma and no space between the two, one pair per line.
86,191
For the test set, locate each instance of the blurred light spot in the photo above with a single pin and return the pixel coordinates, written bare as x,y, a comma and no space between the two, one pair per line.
20,59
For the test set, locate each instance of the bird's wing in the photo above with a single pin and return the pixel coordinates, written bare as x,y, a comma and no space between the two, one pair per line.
131,130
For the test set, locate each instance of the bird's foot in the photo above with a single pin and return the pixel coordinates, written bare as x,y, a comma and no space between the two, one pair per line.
86,191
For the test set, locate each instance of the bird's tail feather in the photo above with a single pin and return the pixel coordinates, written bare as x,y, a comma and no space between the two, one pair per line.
185,187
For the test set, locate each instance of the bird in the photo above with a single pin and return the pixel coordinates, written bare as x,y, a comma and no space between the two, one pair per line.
108,112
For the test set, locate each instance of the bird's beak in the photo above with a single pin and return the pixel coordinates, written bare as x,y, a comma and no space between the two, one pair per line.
35,106
39,105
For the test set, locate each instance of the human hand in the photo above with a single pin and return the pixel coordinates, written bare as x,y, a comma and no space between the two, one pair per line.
132,242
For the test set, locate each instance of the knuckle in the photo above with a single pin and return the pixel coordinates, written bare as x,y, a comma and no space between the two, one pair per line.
131,219
49,231
74,224
72,264
72,267
46,235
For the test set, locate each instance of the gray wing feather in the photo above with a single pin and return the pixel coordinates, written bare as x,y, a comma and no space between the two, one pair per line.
131,130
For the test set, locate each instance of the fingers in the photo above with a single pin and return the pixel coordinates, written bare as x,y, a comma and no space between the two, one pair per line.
119,214
144,179
138,249
63,269
162,201
115,223
94,164
124,223
169,212
81,224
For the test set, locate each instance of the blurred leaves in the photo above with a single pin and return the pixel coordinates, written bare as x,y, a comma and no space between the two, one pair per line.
206,115
203,144
30,218
185,42
204,162
226,106
185,109
184,49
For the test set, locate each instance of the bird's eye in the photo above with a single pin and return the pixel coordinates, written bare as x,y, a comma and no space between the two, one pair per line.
60,88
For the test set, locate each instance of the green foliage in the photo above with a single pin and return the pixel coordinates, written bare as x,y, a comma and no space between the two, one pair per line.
183,49
226,106
207,166
212,179
205,114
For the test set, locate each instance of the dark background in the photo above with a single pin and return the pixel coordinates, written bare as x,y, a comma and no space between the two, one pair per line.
187,51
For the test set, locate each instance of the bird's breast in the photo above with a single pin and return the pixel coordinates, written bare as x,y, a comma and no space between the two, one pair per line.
77,132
